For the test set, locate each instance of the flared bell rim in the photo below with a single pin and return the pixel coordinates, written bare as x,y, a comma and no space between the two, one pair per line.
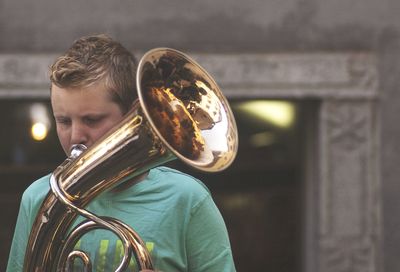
220,149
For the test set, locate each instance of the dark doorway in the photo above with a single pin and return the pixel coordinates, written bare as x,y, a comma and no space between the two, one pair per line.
25,156
259,196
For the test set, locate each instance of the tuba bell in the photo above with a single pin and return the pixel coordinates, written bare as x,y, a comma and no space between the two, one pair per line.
180,114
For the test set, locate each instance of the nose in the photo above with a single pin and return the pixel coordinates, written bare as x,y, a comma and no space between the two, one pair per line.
79,134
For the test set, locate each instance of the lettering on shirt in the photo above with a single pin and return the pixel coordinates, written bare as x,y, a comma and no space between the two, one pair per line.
103,252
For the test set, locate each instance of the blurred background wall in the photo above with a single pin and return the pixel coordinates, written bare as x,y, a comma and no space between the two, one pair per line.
233,27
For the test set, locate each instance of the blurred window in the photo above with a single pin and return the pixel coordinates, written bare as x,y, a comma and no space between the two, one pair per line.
259,196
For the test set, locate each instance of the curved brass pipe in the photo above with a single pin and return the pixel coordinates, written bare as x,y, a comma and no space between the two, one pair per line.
181,113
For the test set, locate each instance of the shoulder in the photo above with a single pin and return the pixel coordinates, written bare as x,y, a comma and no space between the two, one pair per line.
175,177
179,183
36,192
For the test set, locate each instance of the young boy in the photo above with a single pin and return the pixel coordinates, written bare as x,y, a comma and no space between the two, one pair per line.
93,86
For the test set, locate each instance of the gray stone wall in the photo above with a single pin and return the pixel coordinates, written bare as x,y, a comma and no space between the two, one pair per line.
253,26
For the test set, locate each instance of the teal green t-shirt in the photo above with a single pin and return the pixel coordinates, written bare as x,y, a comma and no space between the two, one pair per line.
172,212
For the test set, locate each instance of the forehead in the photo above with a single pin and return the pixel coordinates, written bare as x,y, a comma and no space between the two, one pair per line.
80,98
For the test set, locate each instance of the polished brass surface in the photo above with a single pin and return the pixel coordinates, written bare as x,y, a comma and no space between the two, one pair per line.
187,110
181,113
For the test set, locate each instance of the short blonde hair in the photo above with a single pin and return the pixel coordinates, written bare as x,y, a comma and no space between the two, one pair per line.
94,59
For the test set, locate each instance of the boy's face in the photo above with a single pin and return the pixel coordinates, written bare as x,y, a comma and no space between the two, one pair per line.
83,115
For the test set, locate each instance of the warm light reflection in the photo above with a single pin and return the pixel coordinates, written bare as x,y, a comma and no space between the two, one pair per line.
279,113
39,131
40,121
262,139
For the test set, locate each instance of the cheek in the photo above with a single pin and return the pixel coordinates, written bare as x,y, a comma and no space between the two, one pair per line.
106,127
96,134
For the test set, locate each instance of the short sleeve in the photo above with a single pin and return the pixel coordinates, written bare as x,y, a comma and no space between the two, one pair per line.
20,239
208,243
30,204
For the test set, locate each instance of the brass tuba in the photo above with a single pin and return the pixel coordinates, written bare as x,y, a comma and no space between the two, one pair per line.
181,113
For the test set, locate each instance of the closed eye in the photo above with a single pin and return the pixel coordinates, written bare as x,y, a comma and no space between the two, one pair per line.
92,120
63,120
